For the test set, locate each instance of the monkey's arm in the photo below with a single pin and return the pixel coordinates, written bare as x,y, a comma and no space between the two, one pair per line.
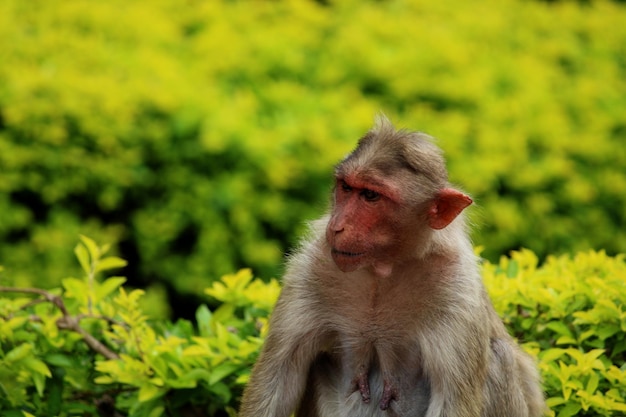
279,377
455,362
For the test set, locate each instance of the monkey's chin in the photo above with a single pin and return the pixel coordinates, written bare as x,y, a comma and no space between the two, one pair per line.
379,269
343,267
347,261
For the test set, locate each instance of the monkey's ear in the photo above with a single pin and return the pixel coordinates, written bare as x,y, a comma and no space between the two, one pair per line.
448,204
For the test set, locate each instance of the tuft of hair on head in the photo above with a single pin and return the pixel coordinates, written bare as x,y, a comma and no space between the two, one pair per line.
402,154
382,123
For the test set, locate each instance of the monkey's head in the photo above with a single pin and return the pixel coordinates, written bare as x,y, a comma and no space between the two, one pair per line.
390,193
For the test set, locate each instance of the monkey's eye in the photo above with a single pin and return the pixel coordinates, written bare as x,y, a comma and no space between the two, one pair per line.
345,187
370,195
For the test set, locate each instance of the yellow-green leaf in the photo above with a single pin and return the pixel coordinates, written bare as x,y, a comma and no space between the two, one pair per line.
110,262
37,366
222,371
18,353
157,411
108,286
92,247
40,383
148,392
592,384
83,258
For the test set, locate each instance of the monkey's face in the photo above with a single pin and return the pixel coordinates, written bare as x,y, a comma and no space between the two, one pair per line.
366,223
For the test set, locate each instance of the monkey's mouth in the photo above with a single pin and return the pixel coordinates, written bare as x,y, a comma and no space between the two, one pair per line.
347,254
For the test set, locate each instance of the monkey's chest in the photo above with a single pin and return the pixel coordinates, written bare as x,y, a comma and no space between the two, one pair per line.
379,338
377,315
372,366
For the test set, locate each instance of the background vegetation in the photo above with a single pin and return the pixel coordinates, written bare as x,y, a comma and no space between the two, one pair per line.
197,136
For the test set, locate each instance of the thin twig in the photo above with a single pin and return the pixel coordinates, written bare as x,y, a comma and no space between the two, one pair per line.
54,299
109,320
71,323
67,322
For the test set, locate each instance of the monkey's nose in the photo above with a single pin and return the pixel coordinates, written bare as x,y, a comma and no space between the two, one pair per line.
336,227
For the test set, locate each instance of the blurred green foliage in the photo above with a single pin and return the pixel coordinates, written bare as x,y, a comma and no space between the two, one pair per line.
197,136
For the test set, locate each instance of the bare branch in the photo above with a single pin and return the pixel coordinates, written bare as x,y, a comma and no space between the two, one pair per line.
71,323
67,322
109,320
54,299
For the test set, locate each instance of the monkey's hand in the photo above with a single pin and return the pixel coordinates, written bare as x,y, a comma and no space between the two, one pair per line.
389,394
361,384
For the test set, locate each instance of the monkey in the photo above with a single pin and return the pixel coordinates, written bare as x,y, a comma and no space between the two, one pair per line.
383,311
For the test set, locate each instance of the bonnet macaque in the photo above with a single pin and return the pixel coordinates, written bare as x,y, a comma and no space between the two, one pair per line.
383,311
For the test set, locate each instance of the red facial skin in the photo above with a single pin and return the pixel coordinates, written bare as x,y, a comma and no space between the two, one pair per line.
363,223
369,223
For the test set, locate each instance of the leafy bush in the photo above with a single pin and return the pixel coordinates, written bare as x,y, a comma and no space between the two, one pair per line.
88,348
197,136
570,312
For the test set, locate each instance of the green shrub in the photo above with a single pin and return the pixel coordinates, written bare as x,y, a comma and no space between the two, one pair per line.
88,346
198,136
570,312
